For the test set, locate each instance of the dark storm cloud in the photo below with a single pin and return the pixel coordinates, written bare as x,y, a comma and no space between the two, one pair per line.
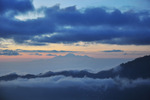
15,6
92,16
97,16
9,52
113,51
70,25
108,36
24,30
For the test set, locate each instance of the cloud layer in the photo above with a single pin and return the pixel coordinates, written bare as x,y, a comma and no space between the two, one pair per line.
44,51
70,25
16,52
69,88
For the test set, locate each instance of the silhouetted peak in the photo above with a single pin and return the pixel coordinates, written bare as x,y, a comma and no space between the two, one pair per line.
46,73
70,55
12,74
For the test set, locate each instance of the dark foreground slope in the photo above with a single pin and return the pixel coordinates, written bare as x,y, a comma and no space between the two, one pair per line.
139,67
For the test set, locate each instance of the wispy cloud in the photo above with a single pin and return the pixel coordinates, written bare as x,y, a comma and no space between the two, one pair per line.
38,54
51,55
113,51
9,52
45,51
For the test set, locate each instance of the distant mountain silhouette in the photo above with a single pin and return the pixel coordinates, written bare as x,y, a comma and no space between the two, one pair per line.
71,56
138,68
59,63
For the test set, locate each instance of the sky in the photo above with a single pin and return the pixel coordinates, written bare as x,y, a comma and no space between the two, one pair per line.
42,29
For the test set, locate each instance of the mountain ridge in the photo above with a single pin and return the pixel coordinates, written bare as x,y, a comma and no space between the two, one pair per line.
138,68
